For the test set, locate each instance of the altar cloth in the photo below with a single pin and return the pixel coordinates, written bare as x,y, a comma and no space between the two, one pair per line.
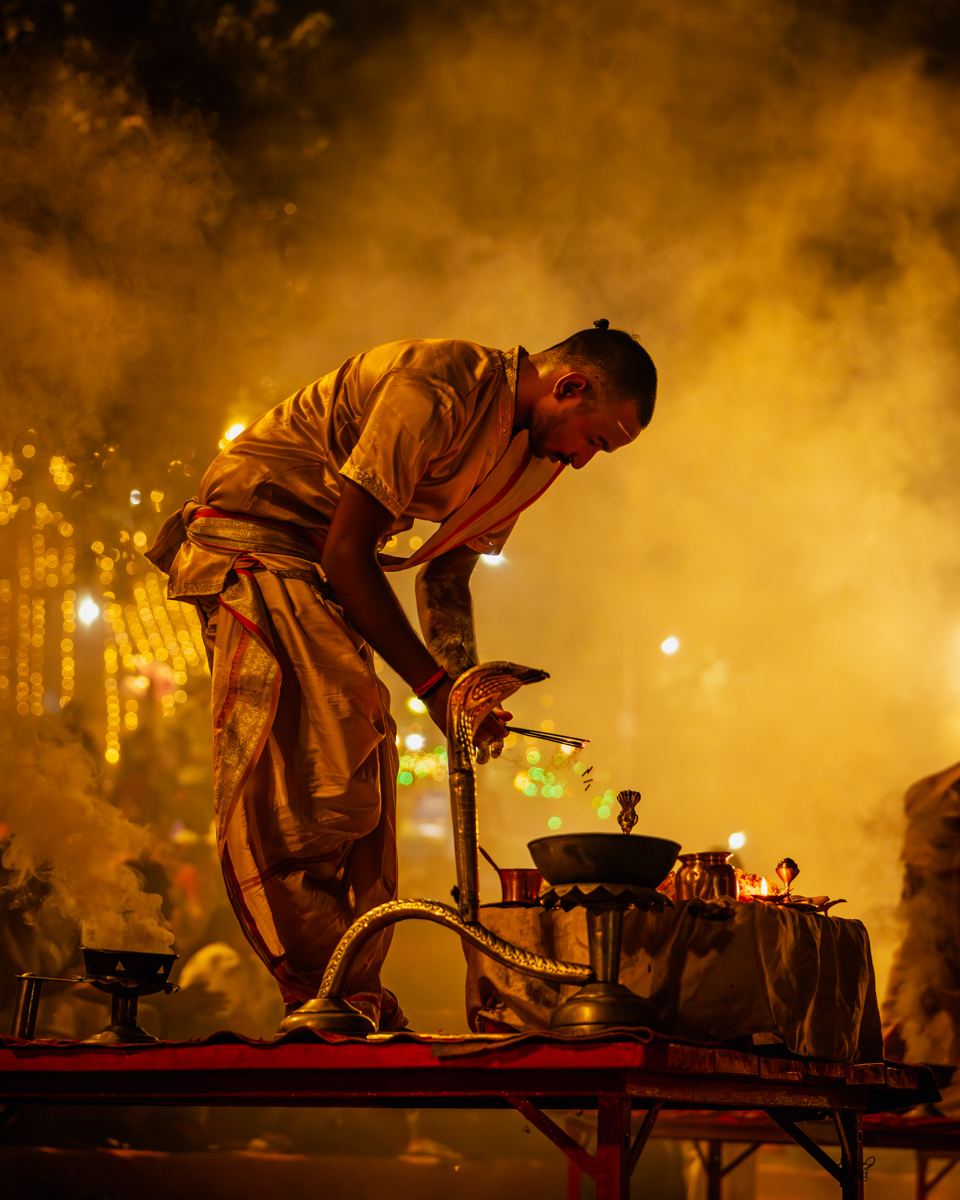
721,972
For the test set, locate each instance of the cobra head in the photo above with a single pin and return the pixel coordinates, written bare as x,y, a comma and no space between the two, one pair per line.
472,698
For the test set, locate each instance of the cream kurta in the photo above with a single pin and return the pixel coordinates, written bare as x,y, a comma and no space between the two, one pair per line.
417,424
304,745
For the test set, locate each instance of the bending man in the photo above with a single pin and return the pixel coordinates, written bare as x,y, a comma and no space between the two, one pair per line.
283,555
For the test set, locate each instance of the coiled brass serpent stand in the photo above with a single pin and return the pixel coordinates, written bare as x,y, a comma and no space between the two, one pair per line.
473,697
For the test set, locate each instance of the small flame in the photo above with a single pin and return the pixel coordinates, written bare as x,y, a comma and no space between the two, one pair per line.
764,888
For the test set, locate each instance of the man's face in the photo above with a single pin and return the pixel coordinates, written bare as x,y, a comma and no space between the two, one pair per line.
562,430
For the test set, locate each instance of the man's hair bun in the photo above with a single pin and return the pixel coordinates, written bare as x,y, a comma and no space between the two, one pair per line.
603,324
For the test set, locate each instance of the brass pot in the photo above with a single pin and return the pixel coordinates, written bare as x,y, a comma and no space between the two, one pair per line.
706,876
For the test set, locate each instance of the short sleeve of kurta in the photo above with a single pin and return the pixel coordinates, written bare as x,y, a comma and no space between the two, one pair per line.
411,421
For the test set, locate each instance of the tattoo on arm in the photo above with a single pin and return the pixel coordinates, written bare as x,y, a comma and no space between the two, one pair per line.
446,617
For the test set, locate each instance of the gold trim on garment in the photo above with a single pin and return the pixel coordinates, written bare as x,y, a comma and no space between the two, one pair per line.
226,533
370,483
507,400
237,740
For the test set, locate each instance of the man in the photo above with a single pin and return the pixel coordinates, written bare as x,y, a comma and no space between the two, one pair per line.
283,555
921,1012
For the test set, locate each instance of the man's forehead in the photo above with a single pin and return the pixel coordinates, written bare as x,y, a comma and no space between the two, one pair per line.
627,433
613,426
620,423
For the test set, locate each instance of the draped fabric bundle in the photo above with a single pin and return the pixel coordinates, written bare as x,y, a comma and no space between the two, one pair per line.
762,971
921,1010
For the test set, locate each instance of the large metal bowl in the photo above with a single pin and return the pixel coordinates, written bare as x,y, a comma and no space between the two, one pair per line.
604,858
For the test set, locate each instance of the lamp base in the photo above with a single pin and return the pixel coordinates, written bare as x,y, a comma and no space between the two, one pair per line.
597,1007
116,1035
331,1015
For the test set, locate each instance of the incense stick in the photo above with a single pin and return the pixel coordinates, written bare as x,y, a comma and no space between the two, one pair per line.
558,738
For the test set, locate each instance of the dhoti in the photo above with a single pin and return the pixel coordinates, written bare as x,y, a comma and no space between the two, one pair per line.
305,761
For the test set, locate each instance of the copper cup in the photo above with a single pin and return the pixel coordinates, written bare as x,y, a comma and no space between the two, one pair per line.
520,885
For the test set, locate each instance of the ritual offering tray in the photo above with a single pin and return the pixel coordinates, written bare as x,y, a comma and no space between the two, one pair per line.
788,870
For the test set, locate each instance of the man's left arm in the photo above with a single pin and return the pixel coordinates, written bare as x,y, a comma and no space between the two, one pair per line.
445,608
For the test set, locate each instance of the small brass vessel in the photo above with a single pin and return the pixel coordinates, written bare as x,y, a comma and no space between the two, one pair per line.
706,876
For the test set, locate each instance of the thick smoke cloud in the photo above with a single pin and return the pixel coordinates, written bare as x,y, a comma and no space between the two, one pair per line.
75,848
766,197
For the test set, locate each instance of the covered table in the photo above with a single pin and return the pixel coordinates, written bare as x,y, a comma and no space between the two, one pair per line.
717,971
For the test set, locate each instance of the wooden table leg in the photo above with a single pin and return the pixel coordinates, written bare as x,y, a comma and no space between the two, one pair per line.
925,1184
714,1165
613,1148
850,1128
574,1175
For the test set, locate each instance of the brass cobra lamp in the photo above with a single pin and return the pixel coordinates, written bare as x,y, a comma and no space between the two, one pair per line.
473,697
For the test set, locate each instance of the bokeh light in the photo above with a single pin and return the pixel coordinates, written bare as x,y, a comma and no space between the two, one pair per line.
88,611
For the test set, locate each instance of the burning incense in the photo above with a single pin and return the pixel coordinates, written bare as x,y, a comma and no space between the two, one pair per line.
558,739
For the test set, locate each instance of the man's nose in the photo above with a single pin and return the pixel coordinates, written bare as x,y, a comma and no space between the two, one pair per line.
582,457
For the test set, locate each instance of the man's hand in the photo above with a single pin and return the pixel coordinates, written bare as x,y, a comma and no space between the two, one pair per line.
490,735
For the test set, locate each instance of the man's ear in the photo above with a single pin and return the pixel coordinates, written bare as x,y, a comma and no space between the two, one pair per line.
570,386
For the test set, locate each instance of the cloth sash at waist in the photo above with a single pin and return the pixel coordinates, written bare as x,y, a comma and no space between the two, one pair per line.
199,546
244,534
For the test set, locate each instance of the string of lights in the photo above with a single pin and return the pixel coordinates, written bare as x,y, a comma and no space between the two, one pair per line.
67,661
6,599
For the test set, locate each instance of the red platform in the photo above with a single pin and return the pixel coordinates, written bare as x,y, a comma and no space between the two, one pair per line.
613,1075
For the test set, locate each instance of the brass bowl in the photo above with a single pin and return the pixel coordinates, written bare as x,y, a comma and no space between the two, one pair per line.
133,965
604,858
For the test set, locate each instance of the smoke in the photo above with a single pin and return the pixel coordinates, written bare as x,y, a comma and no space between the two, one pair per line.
65,837
765,195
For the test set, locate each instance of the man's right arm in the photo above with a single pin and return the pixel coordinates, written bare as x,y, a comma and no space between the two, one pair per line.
445,608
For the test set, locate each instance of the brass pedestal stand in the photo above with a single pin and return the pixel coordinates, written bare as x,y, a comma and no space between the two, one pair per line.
604,1003
125,975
